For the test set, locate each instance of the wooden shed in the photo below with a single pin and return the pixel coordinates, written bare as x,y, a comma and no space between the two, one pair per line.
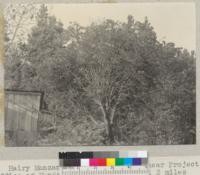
21,117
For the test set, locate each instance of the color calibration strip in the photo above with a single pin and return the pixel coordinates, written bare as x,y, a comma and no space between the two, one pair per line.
99,159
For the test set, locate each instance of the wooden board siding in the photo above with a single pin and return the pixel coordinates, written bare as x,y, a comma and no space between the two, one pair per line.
21,114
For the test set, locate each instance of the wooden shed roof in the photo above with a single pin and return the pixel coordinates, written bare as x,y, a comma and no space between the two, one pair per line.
23,92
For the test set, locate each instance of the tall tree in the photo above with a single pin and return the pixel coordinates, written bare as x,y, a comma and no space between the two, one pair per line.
113,72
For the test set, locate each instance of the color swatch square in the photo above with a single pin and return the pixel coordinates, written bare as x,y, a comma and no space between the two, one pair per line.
101,162
144,161
85,162
142,154
71,162
110,162
132,154
128,161
93,162
119,161
137,161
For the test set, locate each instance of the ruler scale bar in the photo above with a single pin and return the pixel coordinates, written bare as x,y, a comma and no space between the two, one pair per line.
106,171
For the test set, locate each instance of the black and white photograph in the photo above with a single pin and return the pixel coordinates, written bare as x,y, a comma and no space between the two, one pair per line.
100,74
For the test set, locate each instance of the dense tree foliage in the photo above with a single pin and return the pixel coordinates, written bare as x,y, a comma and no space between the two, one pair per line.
110,83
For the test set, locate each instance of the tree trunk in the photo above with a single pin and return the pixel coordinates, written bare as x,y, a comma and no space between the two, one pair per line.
108,117
110,130
110,127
